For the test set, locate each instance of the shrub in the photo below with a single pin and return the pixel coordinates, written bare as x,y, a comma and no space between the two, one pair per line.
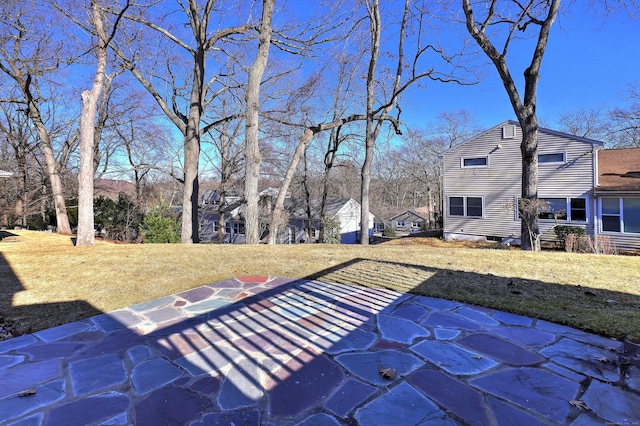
389,232
563,231
330,230
159,226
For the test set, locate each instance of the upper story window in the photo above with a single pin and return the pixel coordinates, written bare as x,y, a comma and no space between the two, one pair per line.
556,157
475,162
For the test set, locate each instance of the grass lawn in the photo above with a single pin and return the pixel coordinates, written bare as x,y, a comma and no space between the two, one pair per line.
46,281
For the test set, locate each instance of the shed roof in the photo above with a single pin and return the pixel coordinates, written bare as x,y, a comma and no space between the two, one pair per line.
619,170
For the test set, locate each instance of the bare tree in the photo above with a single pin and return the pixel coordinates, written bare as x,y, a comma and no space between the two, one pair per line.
626,120
252,149
28,52
515,16
198,92
90,100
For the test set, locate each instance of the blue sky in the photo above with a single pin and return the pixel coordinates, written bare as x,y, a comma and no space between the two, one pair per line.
588,63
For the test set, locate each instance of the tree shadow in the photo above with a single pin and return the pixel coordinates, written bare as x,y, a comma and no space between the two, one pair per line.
252,349
23,319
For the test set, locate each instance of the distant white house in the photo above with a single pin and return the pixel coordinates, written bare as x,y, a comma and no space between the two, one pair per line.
345,210
4,174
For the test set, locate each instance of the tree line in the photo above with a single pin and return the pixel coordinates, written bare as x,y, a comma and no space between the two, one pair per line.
173,94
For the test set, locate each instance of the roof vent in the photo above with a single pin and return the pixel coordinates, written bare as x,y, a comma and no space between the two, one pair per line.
509,131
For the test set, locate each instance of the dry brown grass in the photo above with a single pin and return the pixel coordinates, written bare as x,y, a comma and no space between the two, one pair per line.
46,281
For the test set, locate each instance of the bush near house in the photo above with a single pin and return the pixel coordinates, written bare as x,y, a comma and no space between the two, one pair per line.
578,240
389,232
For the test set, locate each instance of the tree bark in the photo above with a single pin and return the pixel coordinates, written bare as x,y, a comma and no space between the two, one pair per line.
90,98
253,157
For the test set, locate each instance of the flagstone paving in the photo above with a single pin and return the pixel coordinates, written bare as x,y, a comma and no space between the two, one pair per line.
276,351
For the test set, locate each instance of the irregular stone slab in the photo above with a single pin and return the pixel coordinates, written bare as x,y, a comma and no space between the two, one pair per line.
163,315
507,415
17,343
512,319
433,303
569,374
207,306
117,341
25,376
445,333
153,304
532,388
356,340
197,294
321,419
16,406
633,378
170,406
35,420
89,410
449,393
241,386
499,349
400,330
410,312
366,365
116,320
351,394
211,360
402,405
207,385
152,374
581,336
476,316
120,419
525,335
445,320
7,361
51,350
585,420
139,353
583,358
452,358
296,388
61,331
612,403
94,374
235,418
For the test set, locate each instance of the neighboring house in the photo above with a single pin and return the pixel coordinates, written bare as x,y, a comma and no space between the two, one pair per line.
618,196
346,210
414,220
483,178
4,174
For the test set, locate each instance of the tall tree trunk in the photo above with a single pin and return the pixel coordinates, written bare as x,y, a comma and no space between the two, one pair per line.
90,98
370,133
53,174
252,148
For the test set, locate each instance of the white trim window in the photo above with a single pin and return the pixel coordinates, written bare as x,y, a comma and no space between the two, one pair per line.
552,158
620,214
564,209
465,206
468,162
569,209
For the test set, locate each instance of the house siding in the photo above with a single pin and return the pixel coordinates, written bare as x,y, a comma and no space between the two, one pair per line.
499,184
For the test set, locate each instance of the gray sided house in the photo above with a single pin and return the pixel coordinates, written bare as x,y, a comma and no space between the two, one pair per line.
414,220
483,180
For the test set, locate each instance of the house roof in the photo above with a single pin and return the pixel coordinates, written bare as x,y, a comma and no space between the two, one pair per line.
421,212
4,174
619,170
297,207
540,129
